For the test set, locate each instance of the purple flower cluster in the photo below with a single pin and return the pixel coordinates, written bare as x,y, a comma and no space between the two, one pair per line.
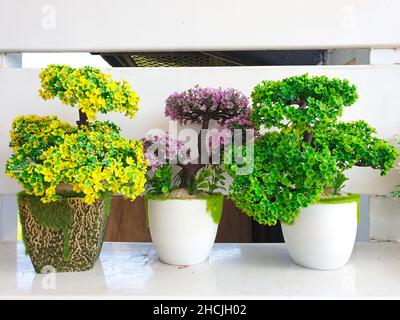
227,106
220,138
241,121
161,149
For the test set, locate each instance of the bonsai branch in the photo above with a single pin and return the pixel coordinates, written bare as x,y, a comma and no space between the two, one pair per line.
83,119
301,103
308,137
189,171
361,164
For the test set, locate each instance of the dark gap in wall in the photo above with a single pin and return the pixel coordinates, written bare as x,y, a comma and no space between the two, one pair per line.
215,58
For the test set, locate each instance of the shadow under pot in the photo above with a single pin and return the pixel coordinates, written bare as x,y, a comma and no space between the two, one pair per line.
65,235
323,235
183,230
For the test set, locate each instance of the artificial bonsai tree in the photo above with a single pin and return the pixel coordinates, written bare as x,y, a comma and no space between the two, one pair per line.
184,203
69,172
304,149
205,107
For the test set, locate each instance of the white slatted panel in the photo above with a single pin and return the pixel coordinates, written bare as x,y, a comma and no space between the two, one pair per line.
164,25
384,218
378,86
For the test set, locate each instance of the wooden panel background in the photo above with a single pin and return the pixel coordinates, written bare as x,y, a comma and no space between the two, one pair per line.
127,222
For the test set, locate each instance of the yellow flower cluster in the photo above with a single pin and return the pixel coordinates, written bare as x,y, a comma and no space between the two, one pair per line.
88,88
39,131
94,162
30,136
94,158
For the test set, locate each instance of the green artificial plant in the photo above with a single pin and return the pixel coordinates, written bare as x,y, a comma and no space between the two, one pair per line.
303,148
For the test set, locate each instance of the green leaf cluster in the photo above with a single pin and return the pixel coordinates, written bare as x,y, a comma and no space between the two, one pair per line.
200,181
209,180
160,181
217,180
301,102
288,174
354,144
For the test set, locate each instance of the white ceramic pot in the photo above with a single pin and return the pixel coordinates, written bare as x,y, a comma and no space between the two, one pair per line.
183,230
323,235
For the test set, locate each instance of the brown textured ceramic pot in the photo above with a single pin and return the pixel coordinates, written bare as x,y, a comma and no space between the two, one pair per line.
63,236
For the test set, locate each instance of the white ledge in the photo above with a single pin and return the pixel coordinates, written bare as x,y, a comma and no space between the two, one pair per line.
180,25
133,271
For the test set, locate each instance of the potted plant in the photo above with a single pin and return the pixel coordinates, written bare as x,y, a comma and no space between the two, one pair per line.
299,164
183,202
69,172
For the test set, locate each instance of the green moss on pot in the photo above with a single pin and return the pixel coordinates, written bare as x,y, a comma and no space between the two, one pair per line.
56,215
214,203
106,197
214,206
340,199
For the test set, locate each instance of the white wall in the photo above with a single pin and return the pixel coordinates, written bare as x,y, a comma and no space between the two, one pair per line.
379,104
160,25
8,217
73,59
384,218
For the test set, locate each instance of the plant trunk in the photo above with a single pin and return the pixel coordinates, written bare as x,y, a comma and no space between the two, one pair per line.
308,137
83,119
189,171
189,174
204,125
